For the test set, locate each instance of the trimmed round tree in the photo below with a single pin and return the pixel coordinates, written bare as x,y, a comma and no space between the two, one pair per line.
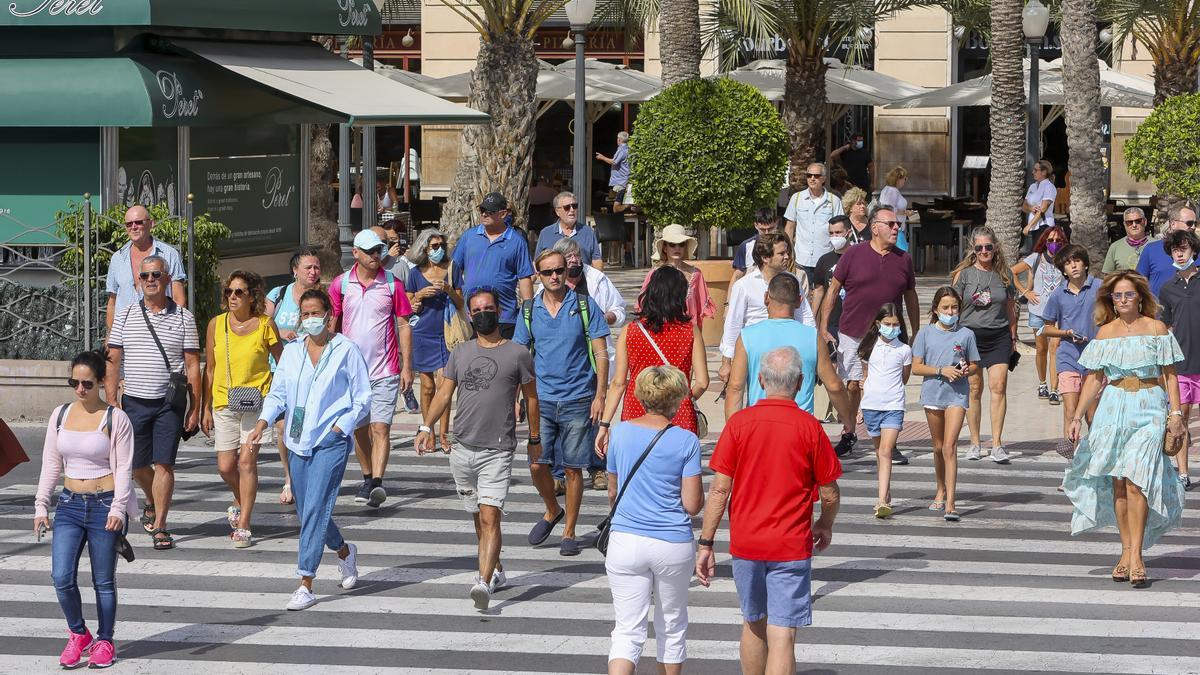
1166,148
707,152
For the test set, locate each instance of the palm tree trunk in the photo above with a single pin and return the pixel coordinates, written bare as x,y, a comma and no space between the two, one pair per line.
1175,70
679,40
1081,80
322,219
804,112
497,156
1007,119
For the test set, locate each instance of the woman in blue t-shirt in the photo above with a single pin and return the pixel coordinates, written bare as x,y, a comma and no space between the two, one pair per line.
650,548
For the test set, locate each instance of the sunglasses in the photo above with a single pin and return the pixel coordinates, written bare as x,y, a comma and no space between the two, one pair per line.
489,213
1135,222
135,223
74,383
378,250
675,244
813,175
1189,223
236,292
569,207
980,248
1127,295
556,271
146,276
890,223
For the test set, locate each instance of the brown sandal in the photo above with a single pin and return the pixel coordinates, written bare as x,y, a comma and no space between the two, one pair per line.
1137,578
1120,573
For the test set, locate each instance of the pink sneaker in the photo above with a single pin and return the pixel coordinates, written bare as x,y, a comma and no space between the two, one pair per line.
77,644
102,654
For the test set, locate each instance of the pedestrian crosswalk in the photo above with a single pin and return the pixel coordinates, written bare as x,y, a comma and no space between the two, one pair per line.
1005,590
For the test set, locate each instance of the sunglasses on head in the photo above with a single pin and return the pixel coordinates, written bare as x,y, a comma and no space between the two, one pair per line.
134,223
74,383
236,292
154,274
555,271
1127,295
569,207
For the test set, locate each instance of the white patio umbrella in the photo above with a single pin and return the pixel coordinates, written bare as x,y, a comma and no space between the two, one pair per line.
552,86
845,85
630,85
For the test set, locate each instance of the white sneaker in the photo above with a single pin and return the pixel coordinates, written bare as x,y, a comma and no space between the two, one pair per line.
999,455
973,453
349,568
481,594
302,598
499,579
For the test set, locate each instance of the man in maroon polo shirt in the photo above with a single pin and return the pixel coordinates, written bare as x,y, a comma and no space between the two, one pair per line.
872,273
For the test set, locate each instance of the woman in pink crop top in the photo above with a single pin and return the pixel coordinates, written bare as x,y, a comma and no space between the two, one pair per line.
90,445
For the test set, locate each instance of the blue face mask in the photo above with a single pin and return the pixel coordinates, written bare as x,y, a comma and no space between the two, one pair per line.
1190,261
858,145
889,332
948,320
436,255
313,325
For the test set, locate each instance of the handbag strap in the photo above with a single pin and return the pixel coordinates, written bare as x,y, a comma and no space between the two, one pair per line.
153,334
636,466
228,367
653,343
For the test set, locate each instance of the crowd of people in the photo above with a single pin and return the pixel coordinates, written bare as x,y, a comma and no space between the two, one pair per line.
495,334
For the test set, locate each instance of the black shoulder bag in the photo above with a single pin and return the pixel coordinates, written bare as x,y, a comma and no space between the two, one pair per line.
604,529
177,385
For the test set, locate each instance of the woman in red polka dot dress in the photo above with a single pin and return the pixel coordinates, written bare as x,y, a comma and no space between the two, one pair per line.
662,335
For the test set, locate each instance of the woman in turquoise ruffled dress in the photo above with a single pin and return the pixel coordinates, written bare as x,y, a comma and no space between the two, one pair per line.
1119,475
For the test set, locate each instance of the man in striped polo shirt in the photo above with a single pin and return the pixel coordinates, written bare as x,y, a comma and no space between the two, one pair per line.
156,424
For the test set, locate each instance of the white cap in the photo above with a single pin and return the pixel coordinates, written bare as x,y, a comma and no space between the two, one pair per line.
367,240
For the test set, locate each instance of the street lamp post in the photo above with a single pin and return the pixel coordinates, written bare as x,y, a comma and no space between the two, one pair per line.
579,13
1034,21
345,182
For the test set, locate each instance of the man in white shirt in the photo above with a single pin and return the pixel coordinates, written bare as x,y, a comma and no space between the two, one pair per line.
806,220
747,297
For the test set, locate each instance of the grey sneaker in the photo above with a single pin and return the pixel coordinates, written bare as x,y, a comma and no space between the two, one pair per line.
376,496
481,594
364,492
999,455
973,453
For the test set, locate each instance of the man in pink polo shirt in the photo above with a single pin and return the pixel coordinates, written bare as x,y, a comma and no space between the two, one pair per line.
367,301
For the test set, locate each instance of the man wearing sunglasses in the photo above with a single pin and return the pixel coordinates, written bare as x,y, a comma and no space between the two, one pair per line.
1155,262
806,220
1124,253
566,207
367,302
122,282
496,256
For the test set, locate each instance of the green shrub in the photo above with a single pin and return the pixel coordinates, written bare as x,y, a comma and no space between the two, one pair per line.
707,153
1166,147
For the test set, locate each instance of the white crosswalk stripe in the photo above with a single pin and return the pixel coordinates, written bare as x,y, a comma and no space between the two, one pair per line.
1005,590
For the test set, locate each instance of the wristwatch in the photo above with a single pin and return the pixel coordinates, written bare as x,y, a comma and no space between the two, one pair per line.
535,440
603,425
1176,412
704,542
424,429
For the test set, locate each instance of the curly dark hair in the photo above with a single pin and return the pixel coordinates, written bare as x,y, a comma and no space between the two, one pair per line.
665,299
95,360
254,285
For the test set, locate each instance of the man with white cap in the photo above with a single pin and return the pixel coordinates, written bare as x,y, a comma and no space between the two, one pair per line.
367,300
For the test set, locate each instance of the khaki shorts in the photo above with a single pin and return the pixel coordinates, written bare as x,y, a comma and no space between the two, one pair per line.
230,429
481,475
850,366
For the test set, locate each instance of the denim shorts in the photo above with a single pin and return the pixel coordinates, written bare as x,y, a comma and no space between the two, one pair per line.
1037,323
780,592
567,433
876,420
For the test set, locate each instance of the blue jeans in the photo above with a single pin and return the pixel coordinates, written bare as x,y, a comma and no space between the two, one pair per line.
568,435
315,482
80,519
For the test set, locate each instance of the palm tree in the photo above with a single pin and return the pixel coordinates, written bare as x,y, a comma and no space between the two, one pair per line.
1081,89
679,40
1007,121
1170,30
498,156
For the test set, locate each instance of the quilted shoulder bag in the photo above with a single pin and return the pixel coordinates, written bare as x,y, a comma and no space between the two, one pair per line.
241,399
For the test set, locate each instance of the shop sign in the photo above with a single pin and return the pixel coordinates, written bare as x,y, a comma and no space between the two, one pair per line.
607,40
257,198
179,103
57,8
353,14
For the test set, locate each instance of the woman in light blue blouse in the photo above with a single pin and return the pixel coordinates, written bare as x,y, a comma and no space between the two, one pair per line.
651,548
322,392
1120,475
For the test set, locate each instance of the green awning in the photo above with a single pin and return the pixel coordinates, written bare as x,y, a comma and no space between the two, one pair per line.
143,90
320,17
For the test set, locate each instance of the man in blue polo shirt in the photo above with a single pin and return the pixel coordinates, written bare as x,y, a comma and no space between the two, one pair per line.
493,255
567,368
121,284
1069,317
1155,262
566,207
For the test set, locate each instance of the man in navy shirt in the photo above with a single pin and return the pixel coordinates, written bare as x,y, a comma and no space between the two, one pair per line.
570,400
566,207
494,255
1155,262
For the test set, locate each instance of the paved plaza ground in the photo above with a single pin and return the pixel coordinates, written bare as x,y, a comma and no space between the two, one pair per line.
1007,590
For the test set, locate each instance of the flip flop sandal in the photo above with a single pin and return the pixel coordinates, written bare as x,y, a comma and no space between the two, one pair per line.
937,506
285,495
147,519
951,516
163,543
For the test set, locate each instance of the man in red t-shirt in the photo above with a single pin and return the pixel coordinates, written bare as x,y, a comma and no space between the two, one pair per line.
771,462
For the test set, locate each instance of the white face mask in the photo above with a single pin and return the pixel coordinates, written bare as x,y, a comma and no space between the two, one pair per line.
313,325
838,243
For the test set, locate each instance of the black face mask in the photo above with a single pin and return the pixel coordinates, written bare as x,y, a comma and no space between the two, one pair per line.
485,322
575,271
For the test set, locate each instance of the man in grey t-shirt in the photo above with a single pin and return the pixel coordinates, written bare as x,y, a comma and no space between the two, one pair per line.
486,372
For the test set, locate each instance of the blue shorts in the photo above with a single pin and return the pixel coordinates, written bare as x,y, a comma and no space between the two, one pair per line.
157,430
876,420
1036,323
780,592
567,433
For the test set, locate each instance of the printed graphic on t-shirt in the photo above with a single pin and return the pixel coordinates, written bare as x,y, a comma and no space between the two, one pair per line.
480,373
982,298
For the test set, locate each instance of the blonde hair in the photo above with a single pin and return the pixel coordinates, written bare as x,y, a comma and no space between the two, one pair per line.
895,175
1106,311
851,197
661,389
999,262
546,254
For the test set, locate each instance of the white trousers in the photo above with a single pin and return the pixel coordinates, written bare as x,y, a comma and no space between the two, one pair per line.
638,566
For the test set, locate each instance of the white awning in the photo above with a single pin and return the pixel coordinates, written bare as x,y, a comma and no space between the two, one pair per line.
306,72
